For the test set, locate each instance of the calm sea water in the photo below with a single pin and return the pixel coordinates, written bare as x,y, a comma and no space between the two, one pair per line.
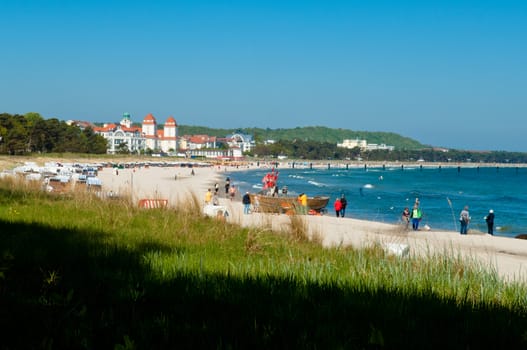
380,194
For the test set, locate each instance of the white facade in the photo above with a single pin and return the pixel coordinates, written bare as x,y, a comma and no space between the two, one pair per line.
231,153
140,139
243,141
117,135
160,140
364,145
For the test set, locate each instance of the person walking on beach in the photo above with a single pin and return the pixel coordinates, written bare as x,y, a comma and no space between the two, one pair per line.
344,203
256,204
246,200
216,188
227,186
338,206
464,219
490,222
208,197
406,217
232,192
416,216
215,199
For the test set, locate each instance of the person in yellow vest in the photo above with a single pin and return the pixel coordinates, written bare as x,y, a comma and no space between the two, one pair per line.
302,200
416,216
208,197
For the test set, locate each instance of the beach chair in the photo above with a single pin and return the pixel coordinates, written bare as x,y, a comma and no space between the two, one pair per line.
153,203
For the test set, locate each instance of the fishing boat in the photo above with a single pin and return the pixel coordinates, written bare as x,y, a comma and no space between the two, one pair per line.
270,200
282,204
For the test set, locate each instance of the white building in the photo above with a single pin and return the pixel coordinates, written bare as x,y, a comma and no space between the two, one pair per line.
138,139
382,146
191,142
243,141
231,153
364,145
160,139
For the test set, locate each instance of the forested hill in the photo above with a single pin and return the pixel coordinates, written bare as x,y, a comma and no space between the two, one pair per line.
309,133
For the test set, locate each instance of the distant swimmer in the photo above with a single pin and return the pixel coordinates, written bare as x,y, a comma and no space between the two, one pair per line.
381,178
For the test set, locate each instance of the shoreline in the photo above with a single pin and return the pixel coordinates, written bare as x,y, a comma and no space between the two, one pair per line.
319,181
7,162
505,255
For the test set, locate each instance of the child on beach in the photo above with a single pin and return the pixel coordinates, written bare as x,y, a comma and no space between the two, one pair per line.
232,192
215,199
406,217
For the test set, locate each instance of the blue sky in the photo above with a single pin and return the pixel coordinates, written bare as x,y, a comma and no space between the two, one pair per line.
447,73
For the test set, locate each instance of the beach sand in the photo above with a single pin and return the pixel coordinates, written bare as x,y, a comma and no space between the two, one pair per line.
176,184
506,255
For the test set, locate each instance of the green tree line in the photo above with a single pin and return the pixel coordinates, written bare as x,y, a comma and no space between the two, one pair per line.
30,133
324,150
319,134
318,142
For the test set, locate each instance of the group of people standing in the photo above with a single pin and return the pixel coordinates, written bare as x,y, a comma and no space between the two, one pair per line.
230,189
211,198
416,215
340,206
464,220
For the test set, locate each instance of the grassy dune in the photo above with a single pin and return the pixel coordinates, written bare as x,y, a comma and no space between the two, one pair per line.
79,272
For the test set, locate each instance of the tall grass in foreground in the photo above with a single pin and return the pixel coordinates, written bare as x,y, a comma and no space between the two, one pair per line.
80,272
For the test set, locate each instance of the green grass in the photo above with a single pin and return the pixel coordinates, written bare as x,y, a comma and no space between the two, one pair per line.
78,272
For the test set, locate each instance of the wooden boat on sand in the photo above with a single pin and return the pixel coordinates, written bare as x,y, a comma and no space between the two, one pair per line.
270,201
282,204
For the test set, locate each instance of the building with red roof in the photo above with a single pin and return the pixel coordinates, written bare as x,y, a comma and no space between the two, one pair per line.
165,139
135,139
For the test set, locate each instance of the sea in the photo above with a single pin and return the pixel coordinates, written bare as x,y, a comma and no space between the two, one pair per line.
380,193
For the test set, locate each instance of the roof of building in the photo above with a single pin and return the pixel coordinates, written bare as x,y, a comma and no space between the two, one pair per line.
199,139
113,127
149,119
171,121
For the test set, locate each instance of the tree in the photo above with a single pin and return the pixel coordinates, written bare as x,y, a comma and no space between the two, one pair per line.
95,144
39,137
123,148
16,136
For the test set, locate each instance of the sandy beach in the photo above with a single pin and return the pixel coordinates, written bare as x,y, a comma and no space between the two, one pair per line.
176,184
506,255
